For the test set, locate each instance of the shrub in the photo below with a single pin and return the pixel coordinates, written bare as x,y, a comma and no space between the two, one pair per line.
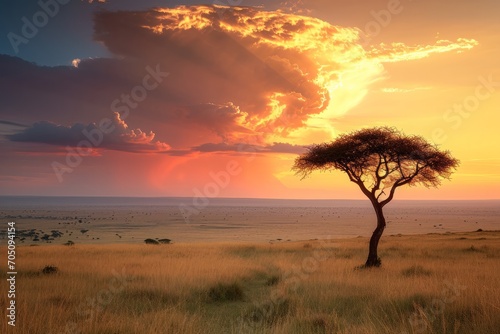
48,270
164,241
273,280
150,241
225,292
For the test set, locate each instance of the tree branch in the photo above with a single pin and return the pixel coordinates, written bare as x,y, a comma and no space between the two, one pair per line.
386,163
377,180
378,177
365,191
398,183
381,192
350,173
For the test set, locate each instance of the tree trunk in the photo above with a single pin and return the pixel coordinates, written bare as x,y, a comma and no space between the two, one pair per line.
373,259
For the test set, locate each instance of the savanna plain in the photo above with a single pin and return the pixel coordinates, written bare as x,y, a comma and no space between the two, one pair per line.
430,283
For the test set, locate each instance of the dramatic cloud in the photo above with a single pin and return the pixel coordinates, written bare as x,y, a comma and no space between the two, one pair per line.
236,75
396,52
265,64
109,134
283,73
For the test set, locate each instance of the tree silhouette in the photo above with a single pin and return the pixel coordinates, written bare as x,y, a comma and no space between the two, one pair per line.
380,160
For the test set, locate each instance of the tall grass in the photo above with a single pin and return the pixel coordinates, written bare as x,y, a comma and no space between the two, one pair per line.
427,284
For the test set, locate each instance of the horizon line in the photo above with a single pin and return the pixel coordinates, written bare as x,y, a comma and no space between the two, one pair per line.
239,198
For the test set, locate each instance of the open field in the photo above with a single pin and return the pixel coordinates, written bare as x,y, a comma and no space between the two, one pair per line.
131,220
431,283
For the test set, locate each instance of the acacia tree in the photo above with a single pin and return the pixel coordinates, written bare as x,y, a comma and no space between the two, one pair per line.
380,160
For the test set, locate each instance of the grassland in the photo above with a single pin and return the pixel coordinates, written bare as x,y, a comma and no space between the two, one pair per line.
427,284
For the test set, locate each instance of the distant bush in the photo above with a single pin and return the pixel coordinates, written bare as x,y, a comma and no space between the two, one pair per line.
69,243
273,280
225,292
164,241
150,241
48,270
473,249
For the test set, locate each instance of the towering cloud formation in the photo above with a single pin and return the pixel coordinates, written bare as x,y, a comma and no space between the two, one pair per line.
237,74
240,70
254,75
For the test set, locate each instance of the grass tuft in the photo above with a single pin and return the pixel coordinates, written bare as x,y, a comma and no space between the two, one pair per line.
273,280
49,270
222,292
416,271
473,249
269,313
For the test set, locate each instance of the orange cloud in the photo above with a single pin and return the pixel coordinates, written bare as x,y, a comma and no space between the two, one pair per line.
269,80
237,74
396,52
323,69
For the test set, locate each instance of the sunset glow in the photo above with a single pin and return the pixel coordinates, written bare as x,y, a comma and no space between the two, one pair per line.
173,95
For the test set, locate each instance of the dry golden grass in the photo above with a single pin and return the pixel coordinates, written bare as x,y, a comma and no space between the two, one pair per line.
427,284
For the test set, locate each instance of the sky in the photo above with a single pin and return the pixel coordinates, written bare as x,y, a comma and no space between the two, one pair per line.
218,98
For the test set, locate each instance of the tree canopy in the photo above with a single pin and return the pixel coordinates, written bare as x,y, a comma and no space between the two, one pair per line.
379,160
